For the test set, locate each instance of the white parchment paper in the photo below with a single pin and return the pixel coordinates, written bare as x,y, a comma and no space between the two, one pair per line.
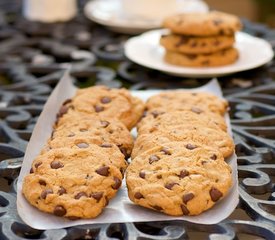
120,209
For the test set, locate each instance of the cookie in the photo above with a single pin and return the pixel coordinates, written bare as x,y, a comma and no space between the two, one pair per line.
196,45
200,134
178,180
175,119
149,116
72,183
86,126
220,58
105,102
203,24
199,102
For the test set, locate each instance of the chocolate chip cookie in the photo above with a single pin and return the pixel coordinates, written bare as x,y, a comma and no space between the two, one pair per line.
196,45
203,24
179,178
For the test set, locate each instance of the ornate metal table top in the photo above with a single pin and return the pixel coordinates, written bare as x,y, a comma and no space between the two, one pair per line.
32,59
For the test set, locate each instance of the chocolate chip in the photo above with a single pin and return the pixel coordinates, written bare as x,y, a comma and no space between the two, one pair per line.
203,162
104,123
190,146
153,158
103,171
124,151
97,196
155,113
82,145
45,192
187,197
183,40
184,209
98,108
183,174
83,129
67,101
216,43
59,211
194,44
122,171
63,110
159,177
71,135
31,170
56,164
170,185
107,201
196,110
138,195
191,56
117,183
80,195
158,208
105,100
61,191
106,145
42,182
37,164
214,157
142,175
165,151
215,194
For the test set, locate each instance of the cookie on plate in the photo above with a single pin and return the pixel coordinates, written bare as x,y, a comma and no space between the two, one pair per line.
203,24
220,58
196,45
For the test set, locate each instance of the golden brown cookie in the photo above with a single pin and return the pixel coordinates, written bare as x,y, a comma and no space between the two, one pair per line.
180,178
86,126
203,24
72,183
196,45
105,102
200,102
220,58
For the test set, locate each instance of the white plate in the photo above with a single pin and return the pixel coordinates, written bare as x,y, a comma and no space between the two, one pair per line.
110,14
145,50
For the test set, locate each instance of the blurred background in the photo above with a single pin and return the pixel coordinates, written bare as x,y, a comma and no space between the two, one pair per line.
254,10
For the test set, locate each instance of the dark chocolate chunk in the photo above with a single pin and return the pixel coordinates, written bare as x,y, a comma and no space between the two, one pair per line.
142,175
183,174
45,193
170,185
56,164
158,208
184,209
183,40
42,182
37,164
59,211
138,195
105,100
104,123
153,158
117,183
61,191
98,108
97,196
165,151
103,171
71,135
31,170
215,194
67,101
106,145
80,195
190,146
187,197
214,157
83,129
63,110
194,44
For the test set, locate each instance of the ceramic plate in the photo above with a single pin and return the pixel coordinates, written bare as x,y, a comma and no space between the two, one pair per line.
145,50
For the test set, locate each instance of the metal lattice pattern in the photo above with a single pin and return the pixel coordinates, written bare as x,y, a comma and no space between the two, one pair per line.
32,60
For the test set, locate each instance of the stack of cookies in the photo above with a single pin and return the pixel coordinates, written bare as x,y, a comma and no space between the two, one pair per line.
201,39
178,162
82,166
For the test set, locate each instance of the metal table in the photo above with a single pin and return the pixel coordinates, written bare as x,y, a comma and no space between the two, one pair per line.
32,60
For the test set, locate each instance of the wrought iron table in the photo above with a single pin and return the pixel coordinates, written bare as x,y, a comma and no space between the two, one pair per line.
32,60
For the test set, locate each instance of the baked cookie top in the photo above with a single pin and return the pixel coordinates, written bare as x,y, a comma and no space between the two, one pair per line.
199,100
203,24
105,102
178,179
74,124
